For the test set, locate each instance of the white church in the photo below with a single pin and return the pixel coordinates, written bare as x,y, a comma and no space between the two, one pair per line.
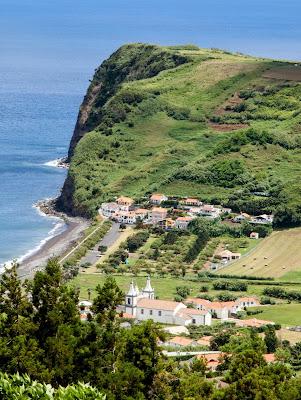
143,306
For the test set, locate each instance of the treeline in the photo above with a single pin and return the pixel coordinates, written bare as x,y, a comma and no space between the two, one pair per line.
281,293
82,250
197,246
248,277
232,286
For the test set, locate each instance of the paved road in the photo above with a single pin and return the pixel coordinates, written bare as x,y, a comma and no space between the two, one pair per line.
187,353
108,240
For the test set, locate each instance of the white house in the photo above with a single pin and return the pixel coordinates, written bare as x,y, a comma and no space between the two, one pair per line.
125,217
143,306
183,222
158,214
125,203
108,209
247,302
208,210
158,198
241,217
190,202
263,219
223,309
227,255
141,213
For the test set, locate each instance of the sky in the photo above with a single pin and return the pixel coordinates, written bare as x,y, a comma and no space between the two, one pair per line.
78,34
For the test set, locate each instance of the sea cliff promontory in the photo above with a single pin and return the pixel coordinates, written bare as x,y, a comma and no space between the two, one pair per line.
188,121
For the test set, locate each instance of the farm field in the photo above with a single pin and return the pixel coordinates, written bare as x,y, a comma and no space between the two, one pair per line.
276,256
284,314
165,287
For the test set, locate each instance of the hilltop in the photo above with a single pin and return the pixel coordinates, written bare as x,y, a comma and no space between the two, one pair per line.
189,122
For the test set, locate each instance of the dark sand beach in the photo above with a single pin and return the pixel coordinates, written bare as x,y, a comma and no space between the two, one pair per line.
54,247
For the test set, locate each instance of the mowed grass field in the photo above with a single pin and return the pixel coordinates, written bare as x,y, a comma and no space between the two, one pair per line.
275,256
284,314
165,288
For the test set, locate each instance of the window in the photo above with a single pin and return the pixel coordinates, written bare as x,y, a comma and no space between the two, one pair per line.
150,312
142,311
160,313
193,321
129,301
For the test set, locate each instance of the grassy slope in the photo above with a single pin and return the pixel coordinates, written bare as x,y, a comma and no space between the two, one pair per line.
277,255
149,146
285,314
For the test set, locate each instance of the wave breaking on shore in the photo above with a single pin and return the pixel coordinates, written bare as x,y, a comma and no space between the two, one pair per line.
58,163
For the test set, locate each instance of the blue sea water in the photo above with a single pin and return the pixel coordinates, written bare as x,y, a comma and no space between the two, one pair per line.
48,51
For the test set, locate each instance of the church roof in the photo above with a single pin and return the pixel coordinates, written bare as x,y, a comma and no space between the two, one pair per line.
158,304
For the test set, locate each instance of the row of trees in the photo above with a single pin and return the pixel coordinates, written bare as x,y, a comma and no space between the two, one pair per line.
235,286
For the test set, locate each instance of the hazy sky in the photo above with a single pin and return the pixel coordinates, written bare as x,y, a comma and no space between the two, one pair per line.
79,33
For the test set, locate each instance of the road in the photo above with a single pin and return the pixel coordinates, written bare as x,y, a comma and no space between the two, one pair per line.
92,256
187,353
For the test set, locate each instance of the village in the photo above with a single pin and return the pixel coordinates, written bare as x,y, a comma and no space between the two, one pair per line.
176,214
172,213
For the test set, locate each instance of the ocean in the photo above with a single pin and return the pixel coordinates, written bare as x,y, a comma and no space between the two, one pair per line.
48,52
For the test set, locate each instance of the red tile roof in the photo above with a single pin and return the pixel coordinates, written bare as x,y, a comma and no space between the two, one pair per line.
158,304
181,341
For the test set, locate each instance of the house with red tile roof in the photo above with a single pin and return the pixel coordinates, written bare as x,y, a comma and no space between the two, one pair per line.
183,222
158,214
191,202
158,198
227,255
125,217
204,341
249,301
212,360
179,341
270,358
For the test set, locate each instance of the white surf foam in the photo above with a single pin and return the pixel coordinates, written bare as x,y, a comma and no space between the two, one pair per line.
59,227
57,163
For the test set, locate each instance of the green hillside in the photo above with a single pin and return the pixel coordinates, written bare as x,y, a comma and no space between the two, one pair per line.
189,121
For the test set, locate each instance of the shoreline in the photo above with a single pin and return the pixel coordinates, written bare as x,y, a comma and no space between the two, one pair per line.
56,245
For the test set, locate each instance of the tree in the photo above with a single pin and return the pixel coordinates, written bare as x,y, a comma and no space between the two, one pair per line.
19,348
270,339
241,363
108,297
142,351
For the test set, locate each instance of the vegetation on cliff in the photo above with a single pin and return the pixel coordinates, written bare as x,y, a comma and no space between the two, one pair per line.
189,121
